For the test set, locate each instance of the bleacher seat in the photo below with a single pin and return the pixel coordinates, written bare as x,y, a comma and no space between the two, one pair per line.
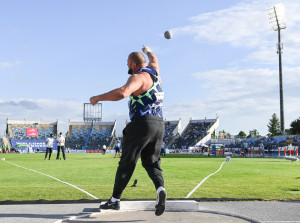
18,129
101,134
170,133
193,133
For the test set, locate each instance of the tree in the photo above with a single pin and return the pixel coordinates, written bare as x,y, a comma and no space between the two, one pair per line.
242,134
213,135
295,127
274,126
253,133
223,134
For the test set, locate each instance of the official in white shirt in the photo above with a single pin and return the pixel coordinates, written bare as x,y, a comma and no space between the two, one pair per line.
60,146
49,145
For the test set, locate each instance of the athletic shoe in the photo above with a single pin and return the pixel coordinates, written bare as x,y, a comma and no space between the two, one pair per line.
161,202
110,205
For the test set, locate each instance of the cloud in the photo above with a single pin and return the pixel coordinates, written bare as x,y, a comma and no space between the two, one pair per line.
20,104
240,25
40,109
9,64
5,64
245,25
246,92
239,96
50,110
234,85
29,105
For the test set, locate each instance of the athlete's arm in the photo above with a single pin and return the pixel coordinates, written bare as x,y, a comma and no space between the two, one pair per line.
153,61
134,83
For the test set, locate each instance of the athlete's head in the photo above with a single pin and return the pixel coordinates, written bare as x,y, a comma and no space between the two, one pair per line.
136,61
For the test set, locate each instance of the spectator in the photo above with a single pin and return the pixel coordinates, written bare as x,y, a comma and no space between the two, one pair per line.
49,145
163,150
60,146
117,147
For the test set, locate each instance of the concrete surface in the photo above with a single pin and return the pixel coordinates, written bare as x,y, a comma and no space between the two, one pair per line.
142,211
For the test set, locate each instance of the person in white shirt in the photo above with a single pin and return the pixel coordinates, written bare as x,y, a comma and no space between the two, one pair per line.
49,145
60,145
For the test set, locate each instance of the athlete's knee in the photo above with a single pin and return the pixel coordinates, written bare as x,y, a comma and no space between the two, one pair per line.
150,164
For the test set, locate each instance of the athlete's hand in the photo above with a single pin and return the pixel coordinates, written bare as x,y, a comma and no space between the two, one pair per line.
93,100
146,49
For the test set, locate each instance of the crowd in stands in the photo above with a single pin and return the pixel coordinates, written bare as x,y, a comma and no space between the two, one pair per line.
99,136
169,132
194,132
268,143
19,130
102,134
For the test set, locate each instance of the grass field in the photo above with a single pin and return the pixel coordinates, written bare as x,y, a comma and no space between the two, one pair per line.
94,173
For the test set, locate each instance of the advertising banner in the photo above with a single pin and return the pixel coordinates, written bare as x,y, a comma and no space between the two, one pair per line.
32,132
30,145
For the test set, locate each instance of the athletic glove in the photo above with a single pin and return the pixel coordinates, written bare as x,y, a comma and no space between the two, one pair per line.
146,49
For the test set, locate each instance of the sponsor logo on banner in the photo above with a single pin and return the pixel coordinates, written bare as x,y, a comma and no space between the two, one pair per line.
32,132
31,143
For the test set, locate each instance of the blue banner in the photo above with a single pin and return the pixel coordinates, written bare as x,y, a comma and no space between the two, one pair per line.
30,145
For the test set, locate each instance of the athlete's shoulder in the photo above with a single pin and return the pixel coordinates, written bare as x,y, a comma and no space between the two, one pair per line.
151,69
147,69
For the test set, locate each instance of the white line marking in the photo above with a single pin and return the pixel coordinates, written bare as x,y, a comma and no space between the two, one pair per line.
54,179
204,181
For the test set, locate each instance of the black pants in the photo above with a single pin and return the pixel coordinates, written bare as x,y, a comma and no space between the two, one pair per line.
141,137
48,150
117,149
62,148
163,152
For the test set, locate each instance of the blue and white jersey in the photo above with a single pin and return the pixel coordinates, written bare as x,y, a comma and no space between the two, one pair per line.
150,102
118,144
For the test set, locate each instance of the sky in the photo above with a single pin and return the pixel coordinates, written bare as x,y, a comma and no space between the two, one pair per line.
221,60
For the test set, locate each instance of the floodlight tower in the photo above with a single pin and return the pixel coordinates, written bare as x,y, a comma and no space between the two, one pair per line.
91,114
277,21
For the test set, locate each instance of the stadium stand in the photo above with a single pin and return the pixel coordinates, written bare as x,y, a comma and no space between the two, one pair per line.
32,134
196,132
102,134
171,130
20,129
277,141
272,146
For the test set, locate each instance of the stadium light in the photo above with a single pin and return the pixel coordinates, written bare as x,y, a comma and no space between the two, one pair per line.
277,22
